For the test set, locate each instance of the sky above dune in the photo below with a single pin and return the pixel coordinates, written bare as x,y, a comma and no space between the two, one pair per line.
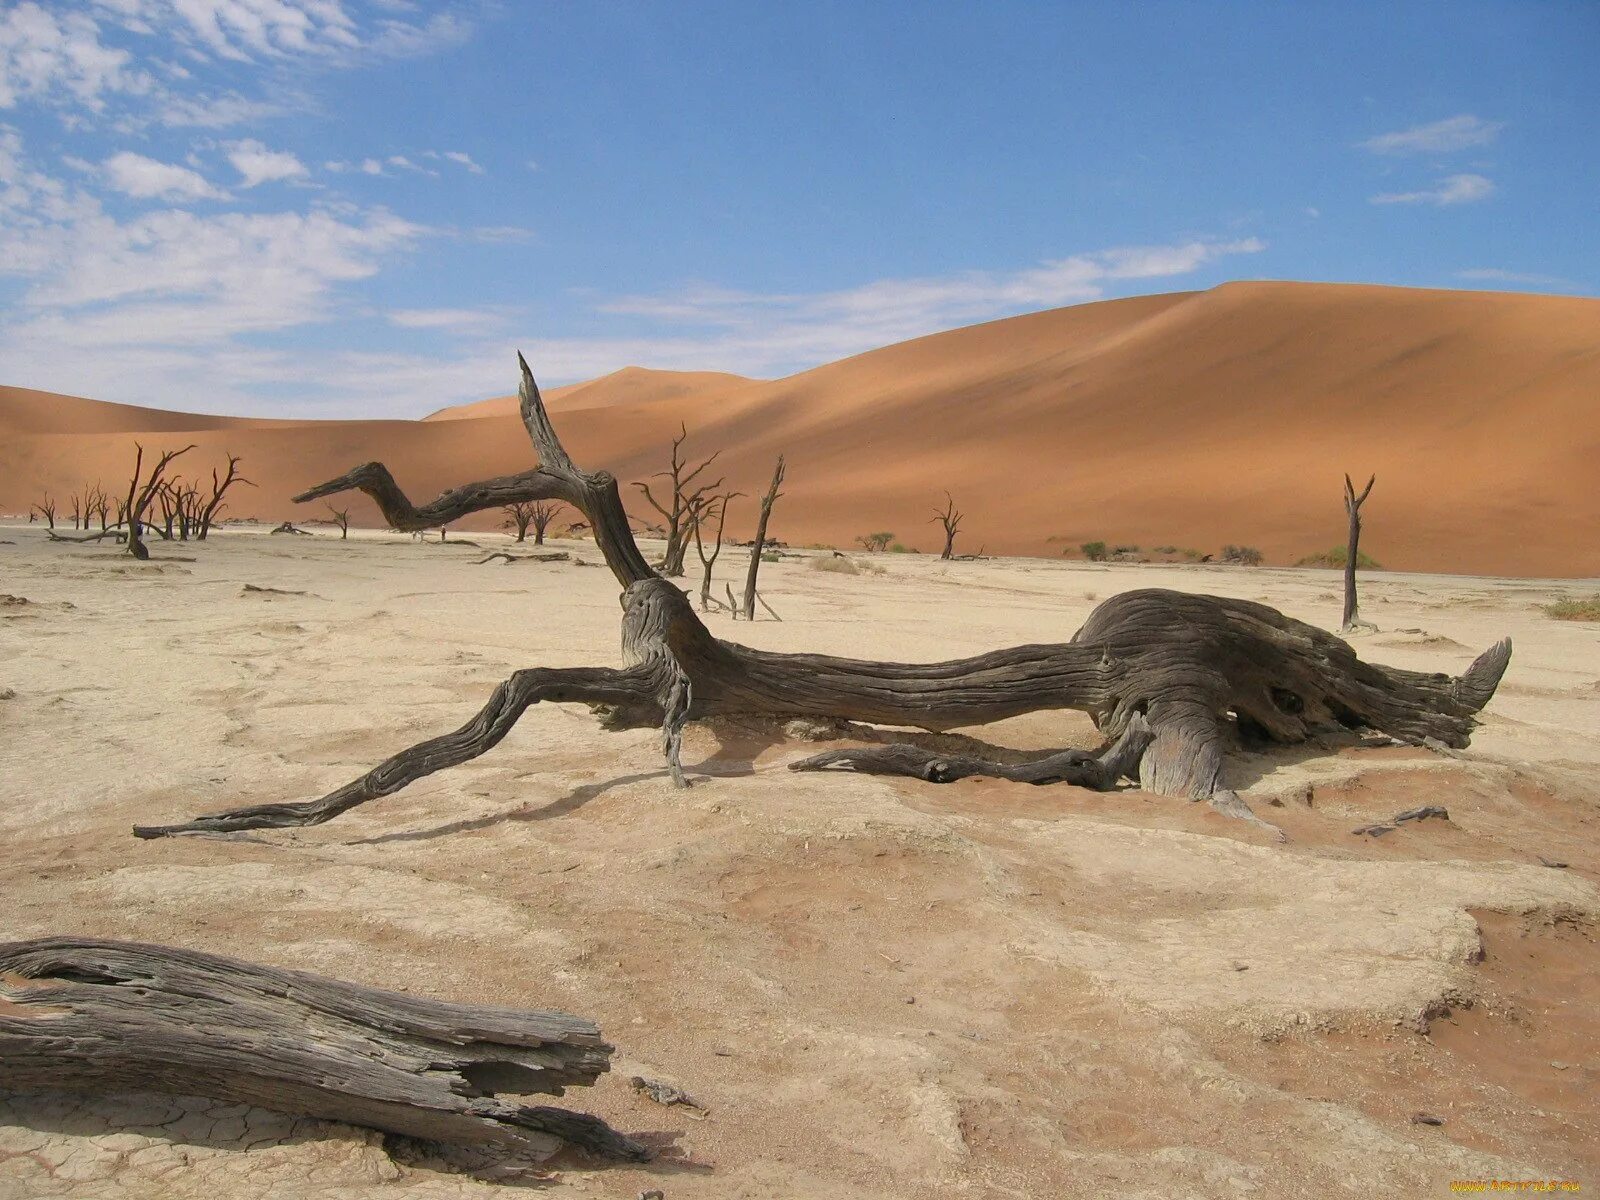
361,207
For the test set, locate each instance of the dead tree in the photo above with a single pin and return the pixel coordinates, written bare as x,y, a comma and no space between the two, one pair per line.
704,511
141,493
951,520
77,509
101,1017
1202,672
767,502
537,513
341,518
207,512
1352,506
46,508
679,477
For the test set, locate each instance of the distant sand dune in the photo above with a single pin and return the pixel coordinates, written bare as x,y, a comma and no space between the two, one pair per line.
1191,419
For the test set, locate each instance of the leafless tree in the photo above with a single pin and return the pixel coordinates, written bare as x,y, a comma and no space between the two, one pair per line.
679,476
141,490
46,508
220,484
705,510
767,502
341,518
1352,506
537,513
951,520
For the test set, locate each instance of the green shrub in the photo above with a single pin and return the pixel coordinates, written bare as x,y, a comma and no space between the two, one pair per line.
897,548
1574,609
1094,551
1247,555
1336,557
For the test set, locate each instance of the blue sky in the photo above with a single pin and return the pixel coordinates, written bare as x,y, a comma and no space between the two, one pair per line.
361,207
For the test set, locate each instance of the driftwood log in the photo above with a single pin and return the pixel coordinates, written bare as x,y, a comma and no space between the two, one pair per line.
1204,672
104,1017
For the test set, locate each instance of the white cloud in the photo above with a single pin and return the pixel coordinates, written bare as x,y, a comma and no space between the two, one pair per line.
79,56
147,179
465,159
459,321
51,56
1440,137
257,165
1454,189
405,164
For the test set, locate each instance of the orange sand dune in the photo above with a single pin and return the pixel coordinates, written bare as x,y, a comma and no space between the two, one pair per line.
1191,419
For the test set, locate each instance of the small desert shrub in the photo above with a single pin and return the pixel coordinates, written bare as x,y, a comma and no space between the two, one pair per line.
1165,549
1094,551
845,566
1336,557
1574,609
771,556
1248,555
1192,555
874,541
1124,549
897,548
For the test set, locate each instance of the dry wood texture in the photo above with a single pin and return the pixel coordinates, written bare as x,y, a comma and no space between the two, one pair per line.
1202,671
106,1017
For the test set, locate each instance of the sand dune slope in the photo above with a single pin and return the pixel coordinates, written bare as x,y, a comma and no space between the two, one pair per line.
1192,420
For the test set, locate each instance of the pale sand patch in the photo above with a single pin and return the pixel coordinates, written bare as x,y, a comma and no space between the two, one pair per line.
877,989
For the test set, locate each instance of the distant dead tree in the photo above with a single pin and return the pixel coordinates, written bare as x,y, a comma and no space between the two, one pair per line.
876,542
96,504
207,512
141,491
1352,506
77,510
679,476
951,520
46,508
538,513
767,502
709,508
341,518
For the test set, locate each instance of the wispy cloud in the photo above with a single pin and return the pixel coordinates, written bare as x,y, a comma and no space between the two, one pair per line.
1439,137
460,321
257,164
91,59
147,178
1454,189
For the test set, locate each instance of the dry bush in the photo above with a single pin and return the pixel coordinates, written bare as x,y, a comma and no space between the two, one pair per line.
845,566
1574,609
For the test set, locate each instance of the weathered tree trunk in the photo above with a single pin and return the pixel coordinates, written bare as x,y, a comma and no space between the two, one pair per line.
104,1017
701,514
1352,505
767,502
1204,672
951,520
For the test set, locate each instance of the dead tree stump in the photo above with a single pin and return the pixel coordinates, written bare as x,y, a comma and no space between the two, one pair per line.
105,1017
1204,672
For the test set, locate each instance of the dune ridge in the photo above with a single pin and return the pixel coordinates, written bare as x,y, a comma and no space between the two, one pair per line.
1190,419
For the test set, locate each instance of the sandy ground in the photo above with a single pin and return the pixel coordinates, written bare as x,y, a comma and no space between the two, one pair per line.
877,989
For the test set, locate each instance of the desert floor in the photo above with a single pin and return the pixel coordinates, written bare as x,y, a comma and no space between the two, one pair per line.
875,988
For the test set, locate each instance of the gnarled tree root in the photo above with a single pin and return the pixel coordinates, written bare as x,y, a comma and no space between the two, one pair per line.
104,1017
1203,672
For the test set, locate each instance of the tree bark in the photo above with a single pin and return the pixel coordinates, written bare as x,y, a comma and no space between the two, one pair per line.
1352,506
102,1017
767,502
1205,673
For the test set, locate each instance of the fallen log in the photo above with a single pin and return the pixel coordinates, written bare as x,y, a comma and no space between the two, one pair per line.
1205,672
538,556
105,1017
